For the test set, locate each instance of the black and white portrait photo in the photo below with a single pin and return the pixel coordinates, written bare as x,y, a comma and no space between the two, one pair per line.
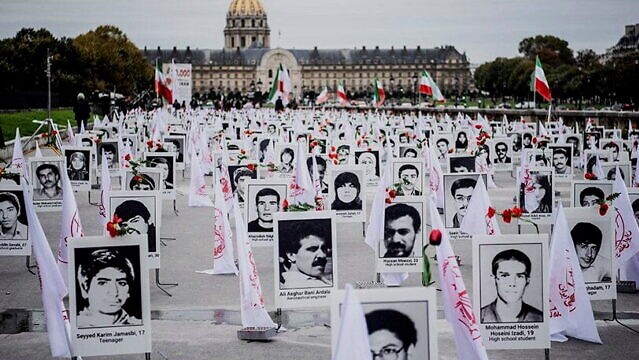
561,159
409,175
165,161
108,287
305,253
321,164
109,293
305,258
140,212
574,140
401,323
264,200
401,247
347,192
239,174
46,184
371,162
501,154
458,190
344,151
146,179
536,193
587,193
409,151
625,171
591,141
461,163
510,279
175,143
79,167
110,150
13,217
593,236
285,158
516,142
443,146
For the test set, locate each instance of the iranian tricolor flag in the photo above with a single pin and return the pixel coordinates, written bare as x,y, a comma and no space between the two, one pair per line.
323,96
281,86
162,85
428,86
378,93
541,84
341,93
424,84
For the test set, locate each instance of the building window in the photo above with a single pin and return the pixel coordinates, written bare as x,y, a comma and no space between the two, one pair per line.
242,22
270,73
253,23
242,42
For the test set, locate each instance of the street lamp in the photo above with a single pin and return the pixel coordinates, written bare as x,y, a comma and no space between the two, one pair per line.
392,83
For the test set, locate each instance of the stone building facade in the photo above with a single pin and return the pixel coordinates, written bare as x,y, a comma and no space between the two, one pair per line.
247,62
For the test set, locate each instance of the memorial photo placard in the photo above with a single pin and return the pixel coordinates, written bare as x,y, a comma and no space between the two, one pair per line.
562,162
165,161
371,162
147,179
14,227
347,193
141,213
586,193
536,194
593,236
46,184
306,259
79,169
110,149
400,249
510,290
401,322
110,310
264,200
409,175
501,153
458,190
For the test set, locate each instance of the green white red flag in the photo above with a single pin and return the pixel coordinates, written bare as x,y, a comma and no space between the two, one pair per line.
341,93
323,96
281,86
162,85
541,84
428,86
378,93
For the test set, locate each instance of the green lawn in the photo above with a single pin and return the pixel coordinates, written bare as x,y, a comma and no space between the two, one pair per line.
23,120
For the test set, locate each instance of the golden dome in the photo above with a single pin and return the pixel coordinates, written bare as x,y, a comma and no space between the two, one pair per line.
246,7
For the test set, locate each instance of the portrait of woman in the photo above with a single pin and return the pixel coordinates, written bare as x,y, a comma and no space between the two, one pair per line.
538,196
347,191
369,160
78,166
462,141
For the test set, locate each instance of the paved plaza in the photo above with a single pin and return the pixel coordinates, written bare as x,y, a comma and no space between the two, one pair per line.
200,320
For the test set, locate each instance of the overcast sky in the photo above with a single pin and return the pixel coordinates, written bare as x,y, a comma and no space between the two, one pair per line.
484,29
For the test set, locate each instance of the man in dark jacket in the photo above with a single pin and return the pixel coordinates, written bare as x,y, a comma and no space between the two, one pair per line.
81,111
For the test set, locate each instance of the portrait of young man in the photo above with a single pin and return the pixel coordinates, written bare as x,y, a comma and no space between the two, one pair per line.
456,202
166,163
461,164
13,223
321,169
138,215
110,150
501,153
511,271
402,232
239,174
107,288
267,202
391,334
587,238
305,253
561,160
409,177
49,185
587,193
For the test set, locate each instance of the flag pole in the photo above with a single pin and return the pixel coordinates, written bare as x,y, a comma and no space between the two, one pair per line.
157,96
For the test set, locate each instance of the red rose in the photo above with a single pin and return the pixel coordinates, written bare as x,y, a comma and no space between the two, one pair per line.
388,200
251,167
392,193
111,229
44,135
54,132
603,209
313,144
491,212
335,161
534,140
127,157
137,178
242,151
478,126
506,215
285,204
333,148
516,211
590,176
435,237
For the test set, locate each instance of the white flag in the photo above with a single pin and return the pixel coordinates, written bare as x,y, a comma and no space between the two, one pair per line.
480,223
626,229
375,229
300,188
198,193
253,308
436,178
457,305
70,134
570,310
105,187
52,285
352,339
17,161
71,225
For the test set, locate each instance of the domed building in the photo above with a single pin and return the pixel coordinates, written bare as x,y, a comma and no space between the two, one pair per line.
247,62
